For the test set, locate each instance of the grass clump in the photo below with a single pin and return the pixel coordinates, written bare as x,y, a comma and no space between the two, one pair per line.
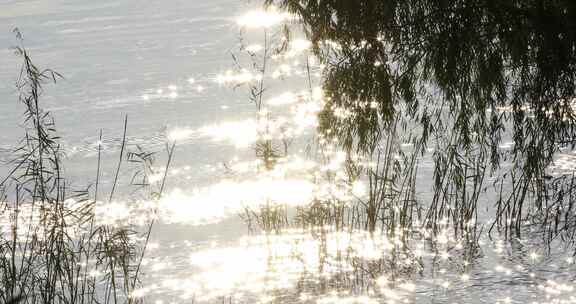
53,249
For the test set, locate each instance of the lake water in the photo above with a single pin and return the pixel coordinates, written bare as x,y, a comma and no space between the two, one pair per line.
164,64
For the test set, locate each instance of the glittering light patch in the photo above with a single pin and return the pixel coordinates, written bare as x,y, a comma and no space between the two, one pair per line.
178,134
263,18
228,198
241,133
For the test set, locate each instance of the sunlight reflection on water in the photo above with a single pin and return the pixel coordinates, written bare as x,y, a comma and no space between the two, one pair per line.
320,265
327,266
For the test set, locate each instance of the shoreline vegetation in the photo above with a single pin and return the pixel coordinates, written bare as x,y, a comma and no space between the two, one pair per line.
53,249
378,119
406,79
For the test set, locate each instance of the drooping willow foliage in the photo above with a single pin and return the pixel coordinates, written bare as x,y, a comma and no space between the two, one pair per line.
460,79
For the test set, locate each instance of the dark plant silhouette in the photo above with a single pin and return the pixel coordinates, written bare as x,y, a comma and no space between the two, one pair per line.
459,78
53,247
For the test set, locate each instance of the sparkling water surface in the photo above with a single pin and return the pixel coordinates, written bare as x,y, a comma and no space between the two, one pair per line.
168,66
